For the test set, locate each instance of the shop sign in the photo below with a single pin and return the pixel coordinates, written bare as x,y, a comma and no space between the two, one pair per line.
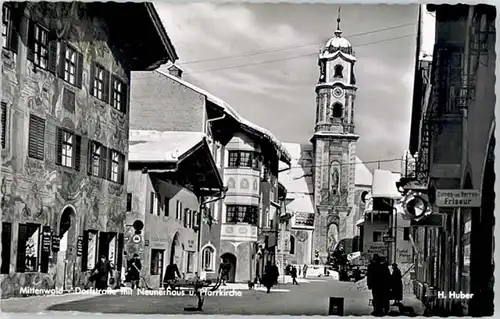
55,242
434,220
46,241
458,198
79,246
304,219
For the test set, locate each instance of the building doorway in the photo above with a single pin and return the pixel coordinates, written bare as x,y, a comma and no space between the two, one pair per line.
232,261
66,256
176,252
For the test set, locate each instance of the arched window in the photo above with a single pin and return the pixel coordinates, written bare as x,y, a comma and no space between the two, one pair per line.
292,245
338,71
337,110
208,259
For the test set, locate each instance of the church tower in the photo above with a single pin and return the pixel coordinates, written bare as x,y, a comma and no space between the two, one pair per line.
334,147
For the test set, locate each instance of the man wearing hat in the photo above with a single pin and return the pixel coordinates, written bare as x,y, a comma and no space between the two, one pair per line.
134,270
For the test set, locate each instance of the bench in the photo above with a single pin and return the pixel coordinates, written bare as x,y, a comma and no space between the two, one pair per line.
196,285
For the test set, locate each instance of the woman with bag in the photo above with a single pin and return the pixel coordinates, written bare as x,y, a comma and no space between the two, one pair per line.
100,273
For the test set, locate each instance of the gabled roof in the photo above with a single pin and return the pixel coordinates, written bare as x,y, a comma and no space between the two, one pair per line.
227,109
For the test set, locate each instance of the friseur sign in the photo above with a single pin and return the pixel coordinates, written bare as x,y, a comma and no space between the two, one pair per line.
458,198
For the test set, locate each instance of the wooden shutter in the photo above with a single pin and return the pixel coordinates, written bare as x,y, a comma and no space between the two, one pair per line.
109,164
6,246
4,124
21,248
185,217
31,40
90,157
196,219
106,87
52,67
85,248
36,137
158,204
124,97
152,203
77,152
121,170
13,36
92,78
166,204
62,59
79,69
104,161
59,142
129,202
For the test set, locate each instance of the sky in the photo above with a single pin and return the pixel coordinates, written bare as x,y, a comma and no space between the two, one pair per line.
262,59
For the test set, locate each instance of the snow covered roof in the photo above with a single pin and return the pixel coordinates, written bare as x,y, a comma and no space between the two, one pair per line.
384,184
156,146
282,152
363,176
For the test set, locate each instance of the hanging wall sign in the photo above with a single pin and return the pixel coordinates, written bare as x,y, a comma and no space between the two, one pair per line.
46,239
55,242
79,246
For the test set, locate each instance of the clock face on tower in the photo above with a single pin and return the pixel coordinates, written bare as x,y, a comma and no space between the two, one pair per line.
338,92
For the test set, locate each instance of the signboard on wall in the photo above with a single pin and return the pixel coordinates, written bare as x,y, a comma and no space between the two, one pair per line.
304,219
55,242
458,198
379,248
46,239
403,254
79,246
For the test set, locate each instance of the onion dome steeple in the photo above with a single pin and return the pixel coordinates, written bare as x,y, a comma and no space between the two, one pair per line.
338,42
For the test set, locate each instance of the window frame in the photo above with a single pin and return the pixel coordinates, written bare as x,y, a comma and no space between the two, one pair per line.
6,247
120,174
75,148
64,72
118,99
20,244
99,87
68,149
242,214
157,258
94,157
39,46
243,159
10,40
211,253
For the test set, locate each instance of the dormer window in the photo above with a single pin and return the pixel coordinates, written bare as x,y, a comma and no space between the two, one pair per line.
338,71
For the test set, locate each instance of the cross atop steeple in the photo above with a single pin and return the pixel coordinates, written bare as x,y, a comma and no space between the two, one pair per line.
338,32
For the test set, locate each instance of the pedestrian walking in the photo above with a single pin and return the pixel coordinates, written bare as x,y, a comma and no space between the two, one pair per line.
100,273
224,269
304,271
396,285
294,276
172,273
270,277
134,271
378,277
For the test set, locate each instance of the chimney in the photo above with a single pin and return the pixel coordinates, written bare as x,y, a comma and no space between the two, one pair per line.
176,71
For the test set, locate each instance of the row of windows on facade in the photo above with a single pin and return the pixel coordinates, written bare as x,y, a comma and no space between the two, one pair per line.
43,53
101,161
245,159
157,264
35,244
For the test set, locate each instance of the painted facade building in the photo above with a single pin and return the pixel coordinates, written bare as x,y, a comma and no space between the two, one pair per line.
171,175
244,153
299,183
65,135
452,140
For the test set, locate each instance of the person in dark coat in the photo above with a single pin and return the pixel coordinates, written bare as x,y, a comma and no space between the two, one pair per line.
271,275
171,273
396,284
294,276
224,270
378,277
134,270
101,271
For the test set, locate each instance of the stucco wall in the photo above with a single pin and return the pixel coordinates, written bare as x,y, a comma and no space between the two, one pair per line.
160,230
155,96
36,191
